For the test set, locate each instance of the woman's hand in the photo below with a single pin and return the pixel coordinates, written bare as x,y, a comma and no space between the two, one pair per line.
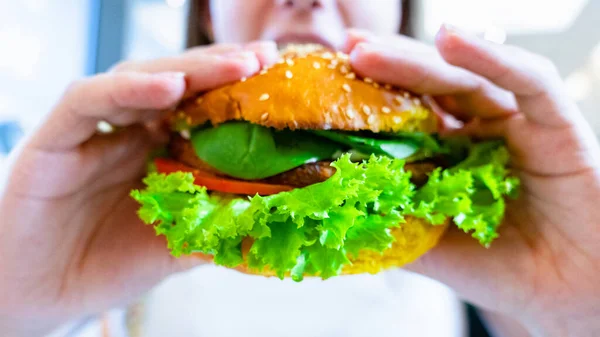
71,243
544,270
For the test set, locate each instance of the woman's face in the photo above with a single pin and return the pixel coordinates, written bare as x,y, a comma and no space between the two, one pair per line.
300,21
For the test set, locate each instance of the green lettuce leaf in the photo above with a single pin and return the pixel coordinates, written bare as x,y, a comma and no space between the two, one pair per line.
313,230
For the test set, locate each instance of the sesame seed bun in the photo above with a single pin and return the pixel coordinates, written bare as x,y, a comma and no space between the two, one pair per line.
413,238
313,88
309,88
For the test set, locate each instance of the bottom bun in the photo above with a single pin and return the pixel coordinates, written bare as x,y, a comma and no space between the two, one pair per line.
412,240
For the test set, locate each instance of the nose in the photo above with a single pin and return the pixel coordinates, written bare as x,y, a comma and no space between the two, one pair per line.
303,4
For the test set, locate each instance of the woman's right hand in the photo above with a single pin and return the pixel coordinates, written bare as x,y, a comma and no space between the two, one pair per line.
544,270
71,243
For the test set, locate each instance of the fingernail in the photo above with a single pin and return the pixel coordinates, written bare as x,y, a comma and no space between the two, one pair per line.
363,48
261,44
243,55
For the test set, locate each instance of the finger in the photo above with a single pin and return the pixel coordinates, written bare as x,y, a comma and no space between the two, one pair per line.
118,98
266,51
425,72
214,49
537,149
355,36
472,270
533,79
125,152
203,70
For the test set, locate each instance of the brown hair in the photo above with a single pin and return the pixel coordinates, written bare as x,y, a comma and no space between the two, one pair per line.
198,34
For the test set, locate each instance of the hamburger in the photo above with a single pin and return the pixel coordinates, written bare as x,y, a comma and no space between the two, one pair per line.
307,169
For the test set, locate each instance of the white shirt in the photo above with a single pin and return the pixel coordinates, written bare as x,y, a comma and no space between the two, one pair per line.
213,301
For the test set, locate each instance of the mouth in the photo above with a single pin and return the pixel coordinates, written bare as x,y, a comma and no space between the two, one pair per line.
287,39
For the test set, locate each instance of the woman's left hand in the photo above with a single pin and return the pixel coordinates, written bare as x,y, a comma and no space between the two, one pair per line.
544,270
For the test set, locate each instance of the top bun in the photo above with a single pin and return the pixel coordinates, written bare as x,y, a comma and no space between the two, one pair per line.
309,88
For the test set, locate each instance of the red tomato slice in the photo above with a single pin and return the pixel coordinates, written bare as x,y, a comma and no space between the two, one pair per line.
221,184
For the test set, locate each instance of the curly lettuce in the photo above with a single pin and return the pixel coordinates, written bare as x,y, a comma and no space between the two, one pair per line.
313,230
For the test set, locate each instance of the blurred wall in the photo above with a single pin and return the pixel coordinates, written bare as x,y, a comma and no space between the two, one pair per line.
565,31
43,47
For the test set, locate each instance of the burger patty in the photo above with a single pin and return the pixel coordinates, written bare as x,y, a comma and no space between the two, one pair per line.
305,175
302,176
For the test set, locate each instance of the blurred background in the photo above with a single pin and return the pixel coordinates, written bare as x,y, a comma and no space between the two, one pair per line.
45,44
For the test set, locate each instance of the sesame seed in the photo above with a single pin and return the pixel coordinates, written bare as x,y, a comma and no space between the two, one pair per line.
331,66
316,65
342,56
350,113
368,80
344,69
105,127
289,74
416,101
366,109
386,110
371,119
243,79
265,68
199,100
263,97
262,72
289,62
376,85
388,87
346,87
406,95
327,55
185,134
397,119
264,116
334,62
351,76
281,61
399,99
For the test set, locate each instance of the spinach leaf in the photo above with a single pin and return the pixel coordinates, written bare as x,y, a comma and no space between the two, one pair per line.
249,151
399,148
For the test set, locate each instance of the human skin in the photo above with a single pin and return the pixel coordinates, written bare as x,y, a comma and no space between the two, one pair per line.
71,242
72,245
544,270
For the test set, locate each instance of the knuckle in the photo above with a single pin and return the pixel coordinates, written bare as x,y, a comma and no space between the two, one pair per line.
543,65
549,66
142,90
121,66
77,88
224,47
160,94
73,87
122,89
